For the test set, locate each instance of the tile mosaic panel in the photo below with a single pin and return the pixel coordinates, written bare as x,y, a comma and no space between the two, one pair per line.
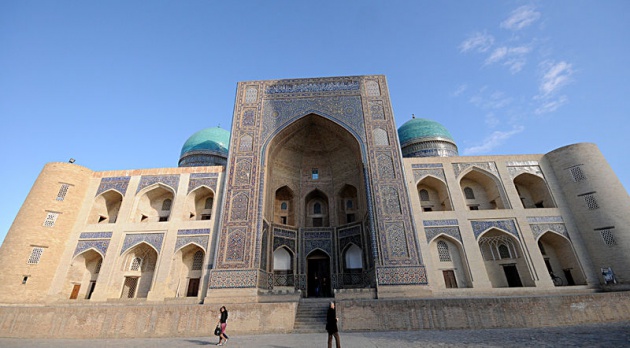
376,109
432,232
83,245
343,242
201,241
426,165
193,231
118,183
421,173
235,245
317,234
516,171
171,181
380,137
311,87
539,229
153,239
487,166
203,175
239,206
372,89
397,240
446,222
95,235
385,167
194,183
289,243
243,171
312,244
506,225
222,279
251,94
249,118
246,143
282,232
409,275
347,232
391,201
544,219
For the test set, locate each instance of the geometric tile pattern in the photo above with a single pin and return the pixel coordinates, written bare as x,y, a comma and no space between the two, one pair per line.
153,239
171,181
380,137
506,225
420,173
538,229
396,240
432,232
236,245
447,222
544,219
385,167
312,87
376,110
95,235
201,241
518,170
372,89
426,165
99,245
405,275
487,166
118,183
203,179
193,231
233,279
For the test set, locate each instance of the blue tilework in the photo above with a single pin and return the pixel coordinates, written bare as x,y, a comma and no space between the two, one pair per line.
118,183
201,241
281,232
404,275
421,173
153,239
193,231
544,219
506,225
280,241
351,231
83,245
171,181
487,166
432,232
447,222
95,235
426,165
311,87
233,279
208,182
539,229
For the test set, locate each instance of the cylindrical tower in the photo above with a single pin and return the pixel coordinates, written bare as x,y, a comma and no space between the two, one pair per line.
599,203
34,244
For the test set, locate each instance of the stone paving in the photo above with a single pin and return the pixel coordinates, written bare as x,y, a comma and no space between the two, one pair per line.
596,335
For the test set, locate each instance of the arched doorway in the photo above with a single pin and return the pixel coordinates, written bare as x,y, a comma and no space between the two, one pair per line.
318,274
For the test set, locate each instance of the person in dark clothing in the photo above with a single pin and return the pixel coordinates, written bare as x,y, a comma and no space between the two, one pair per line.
223,322
331,325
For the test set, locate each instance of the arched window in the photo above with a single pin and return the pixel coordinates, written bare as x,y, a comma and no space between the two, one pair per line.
424,195
136,264
443,253
197,260
353,258
317,208
166,205
349,204
468,192
209,203
504,252
284,206
282,260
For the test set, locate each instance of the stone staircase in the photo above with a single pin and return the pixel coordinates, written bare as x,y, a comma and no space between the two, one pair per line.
311,315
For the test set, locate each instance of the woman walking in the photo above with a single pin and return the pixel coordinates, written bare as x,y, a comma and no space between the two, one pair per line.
331,325
223,337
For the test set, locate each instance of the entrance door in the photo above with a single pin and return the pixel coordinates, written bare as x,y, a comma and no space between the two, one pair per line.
129,289
193,287
568,276
511,274
449,279
318,275
75,291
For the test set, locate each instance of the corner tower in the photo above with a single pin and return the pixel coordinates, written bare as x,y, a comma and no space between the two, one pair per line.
315,194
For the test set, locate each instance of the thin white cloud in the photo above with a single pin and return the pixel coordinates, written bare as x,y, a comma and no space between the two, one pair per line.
478,41
520,18
554,77
513,57
492,141
491,120
460,89
496,100
548,106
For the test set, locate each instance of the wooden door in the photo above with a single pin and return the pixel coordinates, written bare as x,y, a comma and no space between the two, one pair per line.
449,279
193,287
75,291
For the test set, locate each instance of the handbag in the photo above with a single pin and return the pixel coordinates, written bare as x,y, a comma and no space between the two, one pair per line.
217,331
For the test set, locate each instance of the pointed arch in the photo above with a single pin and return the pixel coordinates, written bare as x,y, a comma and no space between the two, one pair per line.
150,203
437,197
560,258
488,189
105,207
200,203
533,191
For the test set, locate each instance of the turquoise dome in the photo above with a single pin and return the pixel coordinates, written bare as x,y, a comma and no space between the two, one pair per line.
421,128
214,139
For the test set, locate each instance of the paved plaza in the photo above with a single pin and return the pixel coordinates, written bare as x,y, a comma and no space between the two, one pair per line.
597,335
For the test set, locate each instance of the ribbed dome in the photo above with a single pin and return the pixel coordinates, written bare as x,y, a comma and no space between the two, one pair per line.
420,137
419,128
207,147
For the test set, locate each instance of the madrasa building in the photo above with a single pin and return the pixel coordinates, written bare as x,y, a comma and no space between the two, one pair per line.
315,193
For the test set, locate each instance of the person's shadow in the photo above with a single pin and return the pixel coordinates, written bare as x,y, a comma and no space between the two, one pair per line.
202,343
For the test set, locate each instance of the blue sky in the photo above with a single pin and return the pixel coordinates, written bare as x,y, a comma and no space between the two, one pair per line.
123,84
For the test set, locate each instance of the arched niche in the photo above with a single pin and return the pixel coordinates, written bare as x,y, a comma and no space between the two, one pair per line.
487,191
200,204
137,267
83,274
433,195
284,206
347,205
448,254
283,267
316,208
105,208
533,191
503,259
187,270
154,204
560,258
